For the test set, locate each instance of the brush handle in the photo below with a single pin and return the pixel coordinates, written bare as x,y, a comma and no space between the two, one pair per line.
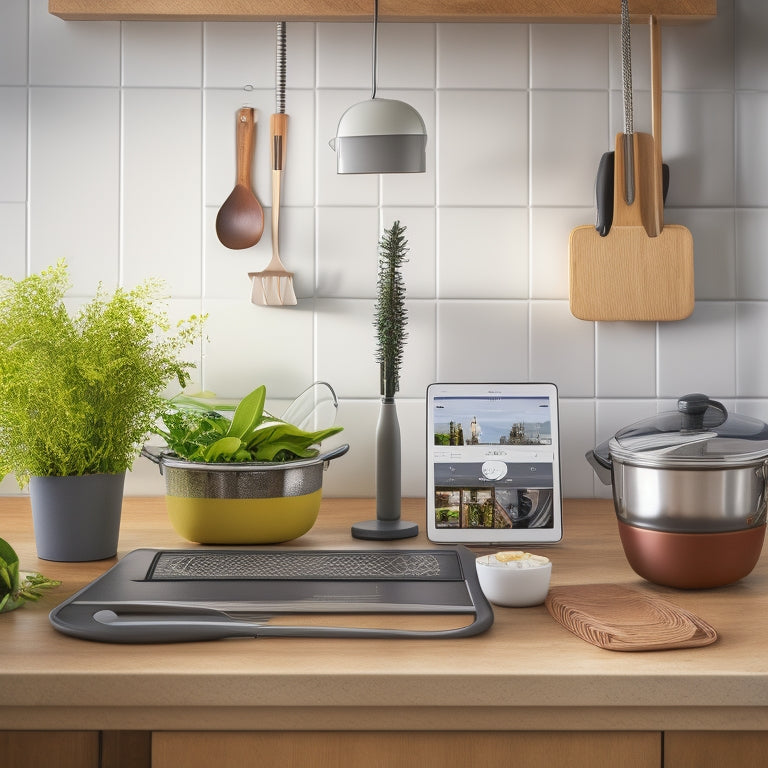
279,130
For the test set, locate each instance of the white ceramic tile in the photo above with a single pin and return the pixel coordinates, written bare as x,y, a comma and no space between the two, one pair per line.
698,354
162,188
243,54
72,52
156,54
249,345
9,487
562,349
482,56
751,362
641,59
550,232
698,146
406,56
751,148
751,263
701,56
13,240
144,479
13,144
419,269
74,183
353,475
577,436
334,188
347,248
482,341
483,253
225,271
714,255
625,359
482,148
751,54
345,56
419,353
641,113
569,56
568,138
414,188
346,347
13,42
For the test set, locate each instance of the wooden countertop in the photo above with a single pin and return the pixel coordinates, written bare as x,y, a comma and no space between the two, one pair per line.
526,672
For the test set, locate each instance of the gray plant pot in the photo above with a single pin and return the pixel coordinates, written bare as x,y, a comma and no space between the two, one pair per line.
77,518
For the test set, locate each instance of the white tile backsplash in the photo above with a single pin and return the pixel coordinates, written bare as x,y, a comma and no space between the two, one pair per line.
477,56
117,149
74,212
156,55
13,144
13,42
482,152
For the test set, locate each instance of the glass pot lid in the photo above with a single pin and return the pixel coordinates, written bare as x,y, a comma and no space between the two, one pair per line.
699,433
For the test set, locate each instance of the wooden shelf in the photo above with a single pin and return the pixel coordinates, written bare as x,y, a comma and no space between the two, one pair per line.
594,11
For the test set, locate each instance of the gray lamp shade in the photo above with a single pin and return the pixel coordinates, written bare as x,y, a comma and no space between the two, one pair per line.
380,136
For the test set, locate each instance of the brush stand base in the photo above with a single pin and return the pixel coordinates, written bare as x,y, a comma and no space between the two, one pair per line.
385,530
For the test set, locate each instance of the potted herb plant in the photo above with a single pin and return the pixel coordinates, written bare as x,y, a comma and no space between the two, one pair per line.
79,393
391,319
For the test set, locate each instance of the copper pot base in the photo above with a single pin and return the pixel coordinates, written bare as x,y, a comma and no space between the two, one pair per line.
691,560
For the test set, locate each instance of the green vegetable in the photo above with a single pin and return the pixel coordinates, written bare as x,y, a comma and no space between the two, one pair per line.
195,432
391,316
79,394
15,591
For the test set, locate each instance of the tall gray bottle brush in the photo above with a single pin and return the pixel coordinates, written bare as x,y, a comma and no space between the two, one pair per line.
391,319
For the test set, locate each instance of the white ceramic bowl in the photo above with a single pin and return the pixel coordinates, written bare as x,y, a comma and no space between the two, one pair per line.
514,583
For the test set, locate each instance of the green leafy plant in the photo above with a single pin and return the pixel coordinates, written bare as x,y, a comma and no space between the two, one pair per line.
195,432
15,590
391,316
80,393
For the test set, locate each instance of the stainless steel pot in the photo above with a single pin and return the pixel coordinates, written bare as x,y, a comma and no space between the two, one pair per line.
698,471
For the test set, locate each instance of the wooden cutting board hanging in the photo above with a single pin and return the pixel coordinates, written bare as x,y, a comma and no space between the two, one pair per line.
641,269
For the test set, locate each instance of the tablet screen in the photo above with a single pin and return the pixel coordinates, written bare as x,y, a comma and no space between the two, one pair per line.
493,469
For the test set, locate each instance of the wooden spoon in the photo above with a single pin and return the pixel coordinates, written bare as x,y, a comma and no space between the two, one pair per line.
240,221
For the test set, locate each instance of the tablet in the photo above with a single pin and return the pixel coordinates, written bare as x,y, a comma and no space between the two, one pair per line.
493,464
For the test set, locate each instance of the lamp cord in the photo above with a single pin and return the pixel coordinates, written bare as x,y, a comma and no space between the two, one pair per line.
375,46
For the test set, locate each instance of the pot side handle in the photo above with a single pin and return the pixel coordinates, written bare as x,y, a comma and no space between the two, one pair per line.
599,459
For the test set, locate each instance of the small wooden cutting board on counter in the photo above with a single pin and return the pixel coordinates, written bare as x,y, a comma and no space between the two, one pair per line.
621,618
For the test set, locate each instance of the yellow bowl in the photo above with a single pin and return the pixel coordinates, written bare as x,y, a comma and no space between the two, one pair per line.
243,521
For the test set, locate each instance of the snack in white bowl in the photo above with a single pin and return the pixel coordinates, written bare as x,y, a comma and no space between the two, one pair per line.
514,579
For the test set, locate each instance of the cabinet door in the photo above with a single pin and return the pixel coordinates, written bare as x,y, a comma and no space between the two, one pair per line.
425,749
32,749
721,749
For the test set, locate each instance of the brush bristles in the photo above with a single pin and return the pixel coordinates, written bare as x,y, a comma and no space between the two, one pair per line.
273,290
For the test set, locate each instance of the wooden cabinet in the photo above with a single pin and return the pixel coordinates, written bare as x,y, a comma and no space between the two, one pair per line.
32,749
427,749
389,10
715,749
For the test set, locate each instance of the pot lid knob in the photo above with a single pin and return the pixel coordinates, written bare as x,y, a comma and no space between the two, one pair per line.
696,408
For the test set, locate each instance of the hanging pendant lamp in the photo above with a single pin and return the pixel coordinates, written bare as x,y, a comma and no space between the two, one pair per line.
380,135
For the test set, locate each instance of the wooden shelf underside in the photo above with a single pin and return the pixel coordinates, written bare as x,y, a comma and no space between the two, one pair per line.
589,11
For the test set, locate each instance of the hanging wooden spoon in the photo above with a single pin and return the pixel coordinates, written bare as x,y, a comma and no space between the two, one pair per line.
240,221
